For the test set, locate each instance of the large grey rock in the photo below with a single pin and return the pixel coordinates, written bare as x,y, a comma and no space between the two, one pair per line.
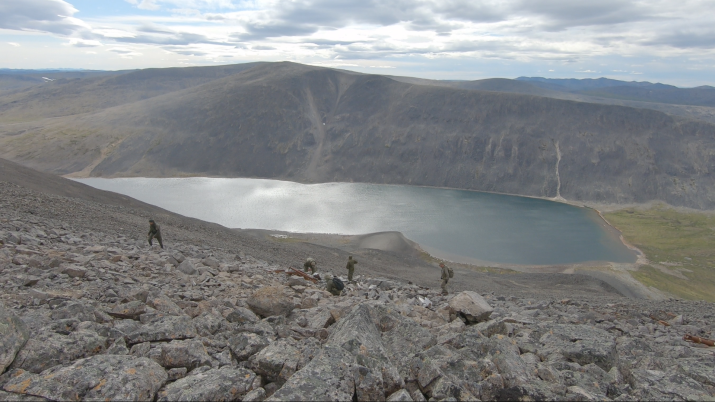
49,349
582,344
328,377
131,310
13,397
247,344
358,333
111,377
443,372
401,336
21,382
178,256
472,305
270,301
666,385
208,324
164,304
188,268
187,353
77,310
242,315
224,384
257,395
14,333
278,361
164,329
400,396
75,271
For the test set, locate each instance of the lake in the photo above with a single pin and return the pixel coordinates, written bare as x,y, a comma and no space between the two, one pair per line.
457,223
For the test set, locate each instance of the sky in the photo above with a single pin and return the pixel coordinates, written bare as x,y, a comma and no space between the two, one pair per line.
668,41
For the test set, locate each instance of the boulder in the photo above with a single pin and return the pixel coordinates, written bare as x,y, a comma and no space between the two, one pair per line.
327,377
131,310
208,324
224,384
582,344
76,310
472,306
247,344
242,315
111,377
400,396
210,262
163,304
21,382
48,349
278,361
164,329
270,301
178,256
187,353
188,268
257,395
14,333
75,271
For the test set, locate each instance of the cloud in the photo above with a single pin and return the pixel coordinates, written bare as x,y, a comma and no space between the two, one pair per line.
54,16
557,15
14,44
686,39
588,72
182,4
84,43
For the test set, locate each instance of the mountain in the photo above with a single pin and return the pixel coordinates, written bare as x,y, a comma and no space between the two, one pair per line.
312,124
632,91
71,96
586,84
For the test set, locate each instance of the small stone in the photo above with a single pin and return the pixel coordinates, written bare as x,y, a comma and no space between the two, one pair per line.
188,268
74,271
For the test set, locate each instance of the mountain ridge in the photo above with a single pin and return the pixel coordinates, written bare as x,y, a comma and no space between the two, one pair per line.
313,124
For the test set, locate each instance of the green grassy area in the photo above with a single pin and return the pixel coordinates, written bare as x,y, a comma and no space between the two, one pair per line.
672,241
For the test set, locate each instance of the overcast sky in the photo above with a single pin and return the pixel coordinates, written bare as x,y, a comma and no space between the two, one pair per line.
669,41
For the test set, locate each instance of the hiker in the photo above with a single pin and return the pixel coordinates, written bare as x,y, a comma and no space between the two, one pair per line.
446,274
154,232
331,286
309,264
351,268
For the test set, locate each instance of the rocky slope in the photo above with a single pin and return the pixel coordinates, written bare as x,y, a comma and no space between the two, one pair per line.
310,124
89,311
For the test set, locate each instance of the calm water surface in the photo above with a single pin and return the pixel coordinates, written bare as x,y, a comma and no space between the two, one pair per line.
483,226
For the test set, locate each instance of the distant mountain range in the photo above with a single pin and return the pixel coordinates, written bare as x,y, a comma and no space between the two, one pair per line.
313,124
635,91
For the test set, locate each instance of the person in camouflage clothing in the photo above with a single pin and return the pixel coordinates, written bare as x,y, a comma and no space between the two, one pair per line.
351,267
154,232
445,277
330,286
309,265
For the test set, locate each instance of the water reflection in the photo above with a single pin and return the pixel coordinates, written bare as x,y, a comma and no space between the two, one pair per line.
488,227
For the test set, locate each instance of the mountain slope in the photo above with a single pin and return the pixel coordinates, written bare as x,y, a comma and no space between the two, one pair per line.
289,121
65,97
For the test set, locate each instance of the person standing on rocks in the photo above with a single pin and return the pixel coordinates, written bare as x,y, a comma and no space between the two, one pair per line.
154,232
351,268
309,265
446,274
330,286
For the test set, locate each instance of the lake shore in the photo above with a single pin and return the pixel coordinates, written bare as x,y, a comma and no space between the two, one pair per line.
616,275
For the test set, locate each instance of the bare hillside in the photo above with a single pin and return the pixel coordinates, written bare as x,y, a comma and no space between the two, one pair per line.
310,124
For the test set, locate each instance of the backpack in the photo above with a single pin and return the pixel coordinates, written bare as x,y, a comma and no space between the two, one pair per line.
451,272
338,284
